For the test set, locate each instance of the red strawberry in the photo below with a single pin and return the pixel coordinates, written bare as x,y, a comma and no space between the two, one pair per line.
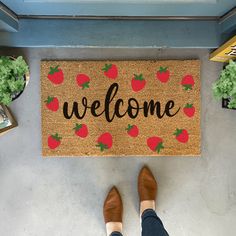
188,82
138,83
132,130
104,141
189,110
83,81
163,74
110,71
56,75
81,130
181,135
54,141
155,143
52,103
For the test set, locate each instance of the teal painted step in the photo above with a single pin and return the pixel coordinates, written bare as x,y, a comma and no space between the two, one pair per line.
113,33
122,8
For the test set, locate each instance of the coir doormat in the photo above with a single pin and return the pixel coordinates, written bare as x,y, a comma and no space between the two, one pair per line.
120,108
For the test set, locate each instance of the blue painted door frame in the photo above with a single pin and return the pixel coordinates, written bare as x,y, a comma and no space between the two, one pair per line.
8,22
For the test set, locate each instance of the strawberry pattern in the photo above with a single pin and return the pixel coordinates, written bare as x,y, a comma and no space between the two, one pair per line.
189,110
138,83
54,141
106,141
132,130
52,103
83,81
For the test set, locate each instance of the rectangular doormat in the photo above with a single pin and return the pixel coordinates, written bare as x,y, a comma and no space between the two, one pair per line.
120,108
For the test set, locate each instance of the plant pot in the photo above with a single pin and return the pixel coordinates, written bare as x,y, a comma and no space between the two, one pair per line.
26,79
225,102
17,95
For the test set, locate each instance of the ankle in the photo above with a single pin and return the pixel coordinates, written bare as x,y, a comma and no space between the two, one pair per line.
147,204
113,227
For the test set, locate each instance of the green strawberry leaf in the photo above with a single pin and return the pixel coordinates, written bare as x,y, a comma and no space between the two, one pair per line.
53,70
188,105
163,69
138,77
77,126
102,146
159,147
56,137
178,132
129,127
49,100
85,85
187,87
107,67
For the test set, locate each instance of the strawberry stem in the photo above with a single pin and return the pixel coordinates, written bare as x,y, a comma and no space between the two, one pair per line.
53,70
56,137
188,105
187,87
102,146
163,69
107,67
77,126
159,147
49,99
85,85
129,127
138,77
178,132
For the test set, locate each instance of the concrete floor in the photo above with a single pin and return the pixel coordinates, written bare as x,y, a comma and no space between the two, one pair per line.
64,196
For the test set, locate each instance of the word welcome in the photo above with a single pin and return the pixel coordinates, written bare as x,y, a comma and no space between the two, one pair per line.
111,111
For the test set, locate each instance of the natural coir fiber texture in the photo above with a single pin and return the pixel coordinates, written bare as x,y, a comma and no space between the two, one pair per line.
120,108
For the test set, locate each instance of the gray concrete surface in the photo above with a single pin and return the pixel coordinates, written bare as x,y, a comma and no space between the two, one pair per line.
64,196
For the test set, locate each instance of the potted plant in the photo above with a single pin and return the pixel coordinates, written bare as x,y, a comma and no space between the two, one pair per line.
225,86
14,76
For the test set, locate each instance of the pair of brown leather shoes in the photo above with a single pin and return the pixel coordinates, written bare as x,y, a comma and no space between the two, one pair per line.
147,189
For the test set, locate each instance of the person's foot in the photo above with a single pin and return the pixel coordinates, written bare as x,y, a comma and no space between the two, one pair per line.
147,189
113,211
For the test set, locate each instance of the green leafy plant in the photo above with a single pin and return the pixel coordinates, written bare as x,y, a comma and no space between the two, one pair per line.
225,86
12,71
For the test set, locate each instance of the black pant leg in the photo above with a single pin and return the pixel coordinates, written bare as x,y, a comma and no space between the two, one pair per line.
152,224
116,234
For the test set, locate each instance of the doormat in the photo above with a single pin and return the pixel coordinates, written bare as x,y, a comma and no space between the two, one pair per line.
120,108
